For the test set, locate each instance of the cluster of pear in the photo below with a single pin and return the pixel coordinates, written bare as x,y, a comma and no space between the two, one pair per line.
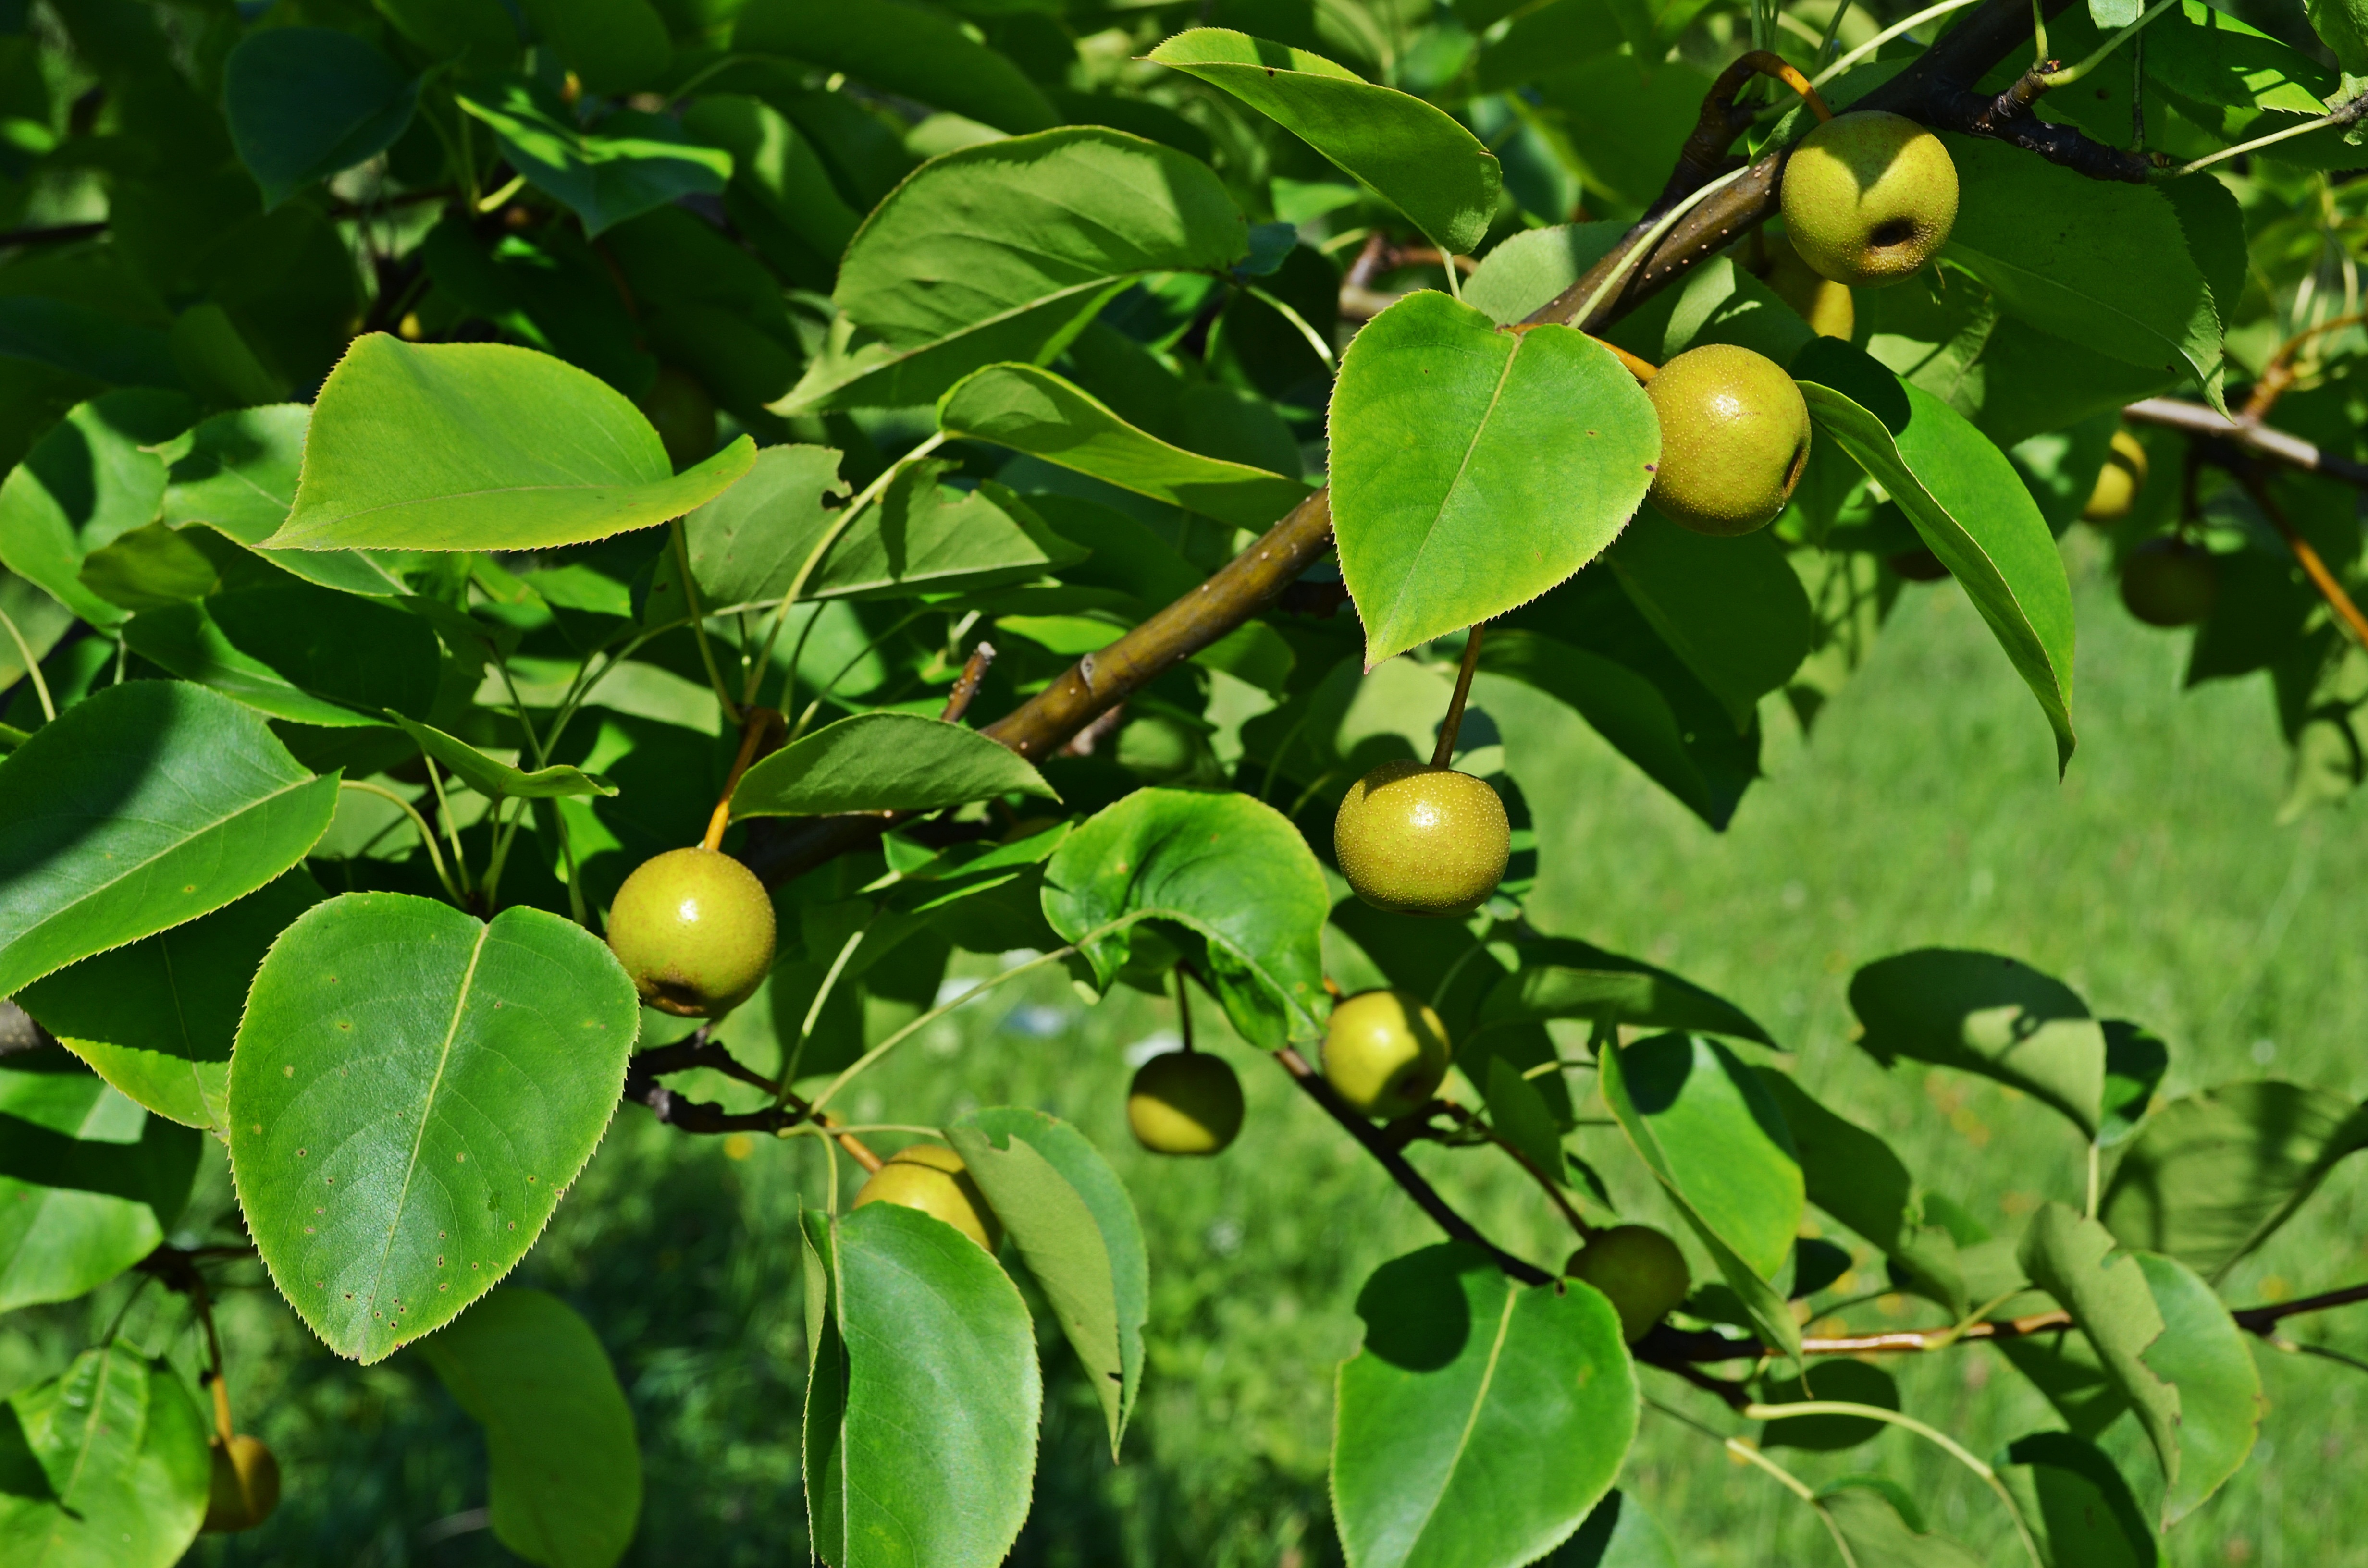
2169,581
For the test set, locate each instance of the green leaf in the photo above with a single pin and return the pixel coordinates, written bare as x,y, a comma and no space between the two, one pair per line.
2076,1503
477,33
2343,26
2117,278
1518,1112
304,103
1732,608
1968,505
84,483
103,1466
1481,1420
2110,1299
1072,1220
1004,251
89,1182
2135,1061
500,780
1526,271
148,567
1981,1013
1413,154
144,805
885,762
913,55
296,650
1829,1377
1883,1528
2212,1175
157,1019
482,446
1230,870
236,471
411,1091
2206,56
1618,1534
1562,978
1036,411
1709,1132
921,1414
565,1487
1853,1175
613,46
1473,469
2203,1354
627,165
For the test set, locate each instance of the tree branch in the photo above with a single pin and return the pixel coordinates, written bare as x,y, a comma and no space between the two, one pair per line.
2259,440
642,1087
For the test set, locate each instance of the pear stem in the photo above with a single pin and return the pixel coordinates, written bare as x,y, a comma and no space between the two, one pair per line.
1445,750
756,724
1183,1010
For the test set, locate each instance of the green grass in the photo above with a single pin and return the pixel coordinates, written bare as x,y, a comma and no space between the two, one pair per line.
1924,810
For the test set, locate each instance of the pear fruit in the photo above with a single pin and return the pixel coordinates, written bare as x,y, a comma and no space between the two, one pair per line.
2168,581
1422,840
1825,304
2118,483
1869,197
1640,1268
683,414
1735,437
246,1485
1184,1102
933,1179
695,930
1385,1053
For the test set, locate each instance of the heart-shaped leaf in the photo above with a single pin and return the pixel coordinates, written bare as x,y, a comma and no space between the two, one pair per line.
922,1403
1417,156
1231,870
1072,1220
1704,1125
1473,467
157,1019
482,446
564,1486
411,1091
144,805
1002,251
1481,1420
1968,505
304,103
107,1466
1981,1013
885,762
1033,411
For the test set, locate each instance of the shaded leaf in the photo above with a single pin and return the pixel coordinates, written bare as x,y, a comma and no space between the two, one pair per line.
103,1466
82,485
627,165
1981,1013
1732,608
885,762
1618,1534
1829,1377
1563,978
2135,1061
2076,1503
1883,1528
613,46
304,103
914,54
500,780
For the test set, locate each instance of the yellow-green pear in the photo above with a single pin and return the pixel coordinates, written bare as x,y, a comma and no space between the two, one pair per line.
2118,483
1184,1102
1640,1268
1385,1053
933,1179
695,930
1735,440
1422,840
1869,197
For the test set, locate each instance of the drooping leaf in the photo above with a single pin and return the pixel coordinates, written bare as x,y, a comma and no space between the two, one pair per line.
2077,1504
565,1483
1034,411
1562,978
2213,1175
498,779
2135,1061
148,567
1072,1220
780,198
1482,1420
411,1091
1966,504
2203,1355
921,1411
103,1466
1829,1377
157,1019
1618,1534
1732,608
84,483
1883,1526
885,762
1704,1125
625,165
304,103
2110,1297
89,1182
1981,1013
144,805
1416,155
922,56
482,446
1518,1111
1472,468
1230,870
1003,251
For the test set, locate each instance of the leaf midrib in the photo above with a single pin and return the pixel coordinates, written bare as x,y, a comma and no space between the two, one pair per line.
1479,1398
1430,528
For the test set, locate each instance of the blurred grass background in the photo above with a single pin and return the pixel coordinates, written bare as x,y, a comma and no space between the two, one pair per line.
1923,812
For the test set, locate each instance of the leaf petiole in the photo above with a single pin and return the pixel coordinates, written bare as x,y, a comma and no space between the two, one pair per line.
426,833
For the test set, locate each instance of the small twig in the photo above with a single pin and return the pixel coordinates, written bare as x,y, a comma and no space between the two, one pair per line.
2278,375
2313,566
2259,1320
756,725
974,671
1444,752
33,668
1552,1188
2071,74
2261,440
2344,113
642,1086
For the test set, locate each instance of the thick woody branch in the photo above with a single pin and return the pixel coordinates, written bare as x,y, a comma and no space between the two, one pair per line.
643,1087
2260,441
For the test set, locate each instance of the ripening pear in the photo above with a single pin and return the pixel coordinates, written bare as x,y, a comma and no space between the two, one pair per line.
2169,582
695,930
2118,483
1734,438
1184,1102
1640,1268
246,1485
1869,197
933,1179
1825,304
1385,1053
679,409
1422,840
